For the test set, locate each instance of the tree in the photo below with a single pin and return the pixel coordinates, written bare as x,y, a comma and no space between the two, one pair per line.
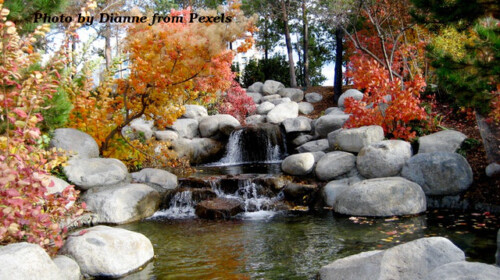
23,12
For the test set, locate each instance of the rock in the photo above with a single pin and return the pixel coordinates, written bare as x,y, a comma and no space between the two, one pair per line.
122,204
493,169
271,87
353,139
104,251
198,150
305,108
280,100
334,111
219,208
439,173
194,112
142,127
59,185
334,164
364,265
381,197
186,128
96,172
166,135
313,97
255,96
354,93
270,98
302,139
282,112
74,140
314,146
383,159
329,123
27,261
318,155
255,119
294,94
211,125
161,180
301,194
442,141
331,190
68,267
255,87
265,107
465,270
298,124
298,164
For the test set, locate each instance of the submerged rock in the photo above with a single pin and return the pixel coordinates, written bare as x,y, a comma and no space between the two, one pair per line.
220,208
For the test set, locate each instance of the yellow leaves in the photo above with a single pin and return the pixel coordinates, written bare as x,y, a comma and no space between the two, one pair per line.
453,42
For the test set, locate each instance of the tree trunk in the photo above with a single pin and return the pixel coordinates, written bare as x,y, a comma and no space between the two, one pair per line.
288,40
107,45
339,49
306,45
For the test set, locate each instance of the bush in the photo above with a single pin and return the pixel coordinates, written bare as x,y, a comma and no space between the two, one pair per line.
275,68
237,103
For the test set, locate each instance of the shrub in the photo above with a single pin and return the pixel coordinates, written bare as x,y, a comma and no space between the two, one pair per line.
237,103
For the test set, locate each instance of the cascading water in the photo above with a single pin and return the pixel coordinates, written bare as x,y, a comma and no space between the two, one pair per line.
181,206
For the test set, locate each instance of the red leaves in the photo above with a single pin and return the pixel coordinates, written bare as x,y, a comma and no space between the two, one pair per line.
237,103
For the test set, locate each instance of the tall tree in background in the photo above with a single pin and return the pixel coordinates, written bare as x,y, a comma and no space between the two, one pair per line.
22,12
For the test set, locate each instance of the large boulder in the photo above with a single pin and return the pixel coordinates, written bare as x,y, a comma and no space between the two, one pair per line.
139,128
439,173
96,172
313,97
122,204
465,270
255,87
442,141
194,112
68,267
73,140
282,112
166,135
294,94
299,124
271,87
334,164
305,108
320,145
27,261
334,111
354,93
186,128
381,197
198,150
383,159
270,98
329,123
255,96
104,251
265,107
353,139
161,180
212,125
302,139
220,208
255,119
298,164
331,190
412,260
280,100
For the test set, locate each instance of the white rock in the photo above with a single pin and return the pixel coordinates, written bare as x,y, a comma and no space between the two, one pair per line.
313,97
493,169
280,100
334,164
256,87
157,177
294,94
305,108
143,126
354,93
265,107
271,87
255,119
383,159
73,140
186,128
298,164
353,139
255,96
69,268
465,270
211,125
282,112
331,190
270,98
442,141
96,172
166,135
320,145
195,112
299,124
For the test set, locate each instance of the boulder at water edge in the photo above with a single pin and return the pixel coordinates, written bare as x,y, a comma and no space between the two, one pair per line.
383,159
282,112
381,197
198,150
313,97
27,261
255,87
442,141
73,140
300,194
294,94
194,112
439,173
96,172
412,260
465,270
334,164
354,139
354,93
122,204
299,124
223,123
161,180
329,123
186,128
314,146
271,87
220,208
305,108
255,119
69,268
298,164
104,251
331,190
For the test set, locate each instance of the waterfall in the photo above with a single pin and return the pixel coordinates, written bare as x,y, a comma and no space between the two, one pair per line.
181,206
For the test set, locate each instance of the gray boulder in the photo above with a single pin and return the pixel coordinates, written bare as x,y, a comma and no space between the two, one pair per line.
383,159
302,139
96,172
255,119
318,155
298,164
223,123
305,108
198,150
354,93
331,190
256,87
270,97
294,94
298,124
280,100
265,107
166,135
329,123
161,180
271,87
381,197
320,145
186,128
313,97
27,261
103,251
194,112
255,96
439,173
140,126
493,169
282,112
73,140
353,139
68,267
442,141
58,186
334,164
334,111
122,204
465,270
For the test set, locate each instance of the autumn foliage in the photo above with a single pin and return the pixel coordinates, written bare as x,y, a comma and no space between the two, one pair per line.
237,103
